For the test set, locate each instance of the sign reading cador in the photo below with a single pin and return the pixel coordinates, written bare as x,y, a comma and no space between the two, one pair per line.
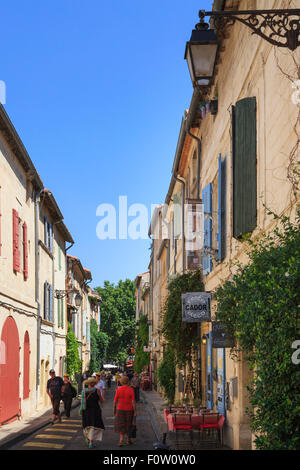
220,337
195,307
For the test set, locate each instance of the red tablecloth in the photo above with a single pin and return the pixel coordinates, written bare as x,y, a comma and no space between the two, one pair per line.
196,421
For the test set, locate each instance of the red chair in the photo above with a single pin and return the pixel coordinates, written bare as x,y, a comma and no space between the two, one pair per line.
210,432
210,420
183,422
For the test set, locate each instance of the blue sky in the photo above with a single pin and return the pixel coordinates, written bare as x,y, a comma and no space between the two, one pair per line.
96,91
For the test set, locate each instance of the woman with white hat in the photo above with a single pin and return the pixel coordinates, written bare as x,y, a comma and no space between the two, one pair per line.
91,412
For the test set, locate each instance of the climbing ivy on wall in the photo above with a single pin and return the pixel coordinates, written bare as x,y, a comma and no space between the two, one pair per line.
166,374
181,337
260,305
73,359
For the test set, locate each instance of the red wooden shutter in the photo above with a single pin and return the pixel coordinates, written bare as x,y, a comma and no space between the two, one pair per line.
0,222
26,367
16,247
25,251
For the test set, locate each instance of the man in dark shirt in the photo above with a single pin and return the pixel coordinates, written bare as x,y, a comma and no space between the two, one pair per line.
54,391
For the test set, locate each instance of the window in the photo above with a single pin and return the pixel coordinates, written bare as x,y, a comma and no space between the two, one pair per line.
48,234
244,167
48,302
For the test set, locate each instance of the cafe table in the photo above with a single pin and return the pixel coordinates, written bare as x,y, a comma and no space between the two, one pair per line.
196,420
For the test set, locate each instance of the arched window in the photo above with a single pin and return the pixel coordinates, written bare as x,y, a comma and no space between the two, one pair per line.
26,368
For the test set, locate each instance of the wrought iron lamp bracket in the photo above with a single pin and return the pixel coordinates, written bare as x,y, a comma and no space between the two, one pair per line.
280,28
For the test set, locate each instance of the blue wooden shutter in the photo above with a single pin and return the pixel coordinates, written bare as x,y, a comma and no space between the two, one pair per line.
209,379
45,300
221,381
50,303
51,237
221,237
207,202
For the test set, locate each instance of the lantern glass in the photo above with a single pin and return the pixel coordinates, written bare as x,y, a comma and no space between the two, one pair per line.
200,53
204,59
78,300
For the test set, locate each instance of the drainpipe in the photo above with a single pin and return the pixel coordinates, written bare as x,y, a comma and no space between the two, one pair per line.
182,182
37,296
199,149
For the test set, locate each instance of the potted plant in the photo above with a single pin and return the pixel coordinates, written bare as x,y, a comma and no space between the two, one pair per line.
197,404
186,402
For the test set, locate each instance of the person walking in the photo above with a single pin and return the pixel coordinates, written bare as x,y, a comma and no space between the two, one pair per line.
54,385
117,378
67,393
135,383
124,410
100,385
108,380
90,411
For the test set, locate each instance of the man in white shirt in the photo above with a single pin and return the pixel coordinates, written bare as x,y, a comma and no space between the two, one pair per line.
100,384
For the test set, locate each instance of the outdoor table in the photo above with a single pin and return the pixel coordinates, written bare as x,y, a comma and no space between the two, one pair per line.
197,419
145,384
170,420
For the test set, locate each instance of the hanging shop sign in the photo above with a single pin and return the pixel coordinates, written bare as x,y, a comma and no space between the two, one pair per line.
220,337
196,307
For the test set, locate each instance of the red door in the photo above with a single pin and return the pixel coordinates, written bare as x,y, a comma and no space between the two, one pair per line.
9,371
26,366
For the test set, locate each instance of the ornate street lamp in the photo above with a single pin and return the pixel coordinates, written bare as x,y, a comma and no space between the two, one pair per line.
200,53
280,28
60,294
78,300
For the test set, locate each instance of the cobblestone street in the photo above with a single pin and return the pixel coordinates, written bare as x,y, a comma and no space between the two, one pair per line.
68,435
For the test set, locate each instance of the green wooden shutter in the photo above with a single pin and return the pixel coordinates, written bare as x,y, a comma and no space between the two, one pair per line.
244,167
58,312
59,258
62,313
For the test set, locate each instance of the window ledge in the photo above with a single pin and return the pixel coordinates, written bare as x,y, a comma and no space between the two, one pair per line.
45,248
46,322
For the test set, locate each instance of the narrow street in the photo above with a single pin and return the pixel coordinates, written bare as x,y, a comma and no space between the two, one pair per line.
68,435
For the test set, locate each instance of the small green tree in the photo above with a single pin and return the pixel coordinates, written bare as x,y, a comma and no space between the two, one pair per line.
141,358
99,342
73,359
118,318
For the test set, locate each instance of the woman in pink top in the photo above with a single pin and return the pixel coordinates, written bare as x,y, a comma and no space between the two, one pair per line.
124,410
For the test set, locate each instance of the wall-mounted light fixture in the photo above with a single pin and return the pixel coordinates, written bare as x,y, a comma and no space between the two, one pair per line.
280,28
